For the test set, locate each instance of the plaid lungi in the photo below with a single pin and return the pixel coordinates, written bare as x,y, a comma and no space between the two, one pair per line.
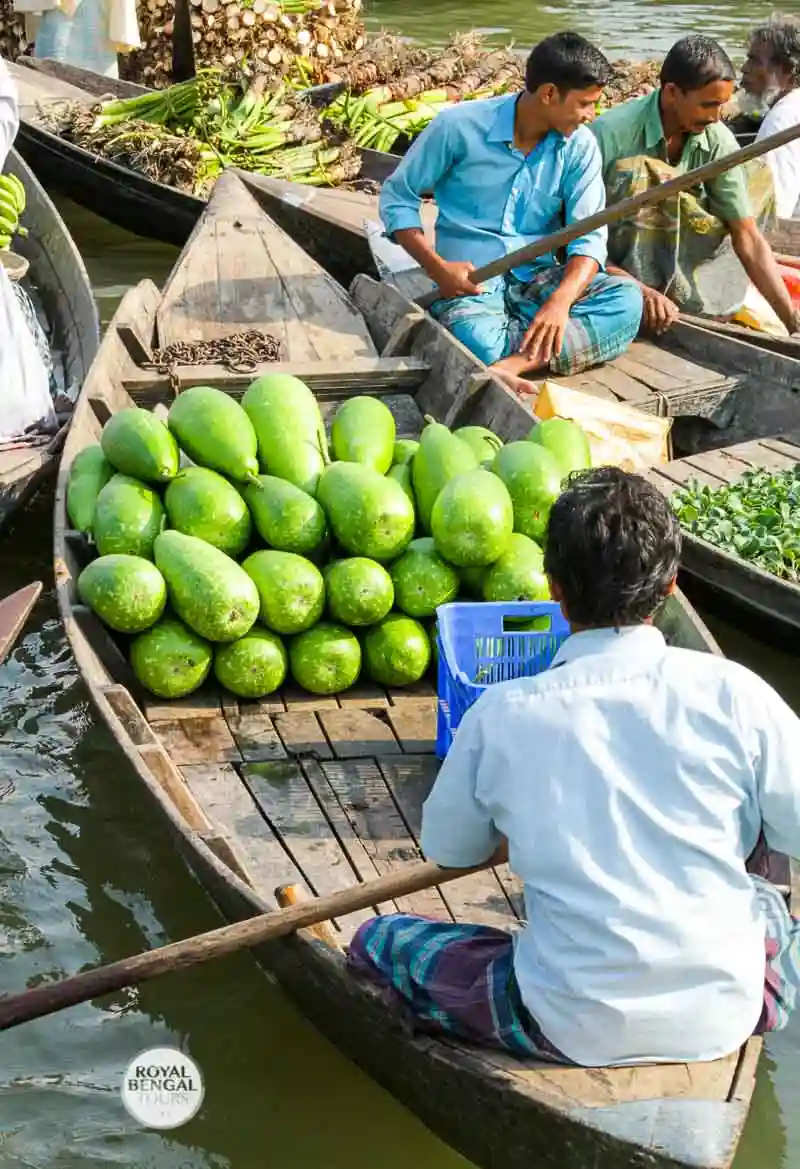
602,322
459,978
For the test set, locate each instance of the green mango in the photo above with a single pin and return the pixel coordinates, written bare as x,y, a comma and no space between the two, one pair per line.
441,456
88,475
137,443
403,474
215,432
289,429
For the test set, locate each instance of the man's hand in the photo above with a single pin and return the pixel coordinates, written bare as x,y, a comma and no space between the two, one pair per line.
545,335
454,278
659,311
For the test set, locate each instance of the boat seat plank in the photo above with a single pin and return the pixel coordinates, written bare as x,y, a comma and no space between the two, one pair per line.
783,446
721,463
680,473
254,733
356,375
242,272
219,790
620,384
361,790
197,740
360,860
758,454
414,725
297,699
204,703
647,374
355,732
421,693
301,734
289,805
682,370
589,384
478,898
364,696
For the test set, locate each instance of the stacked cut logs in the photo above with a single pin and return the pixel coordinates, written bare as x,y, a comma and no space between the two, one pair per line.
276,37
13,41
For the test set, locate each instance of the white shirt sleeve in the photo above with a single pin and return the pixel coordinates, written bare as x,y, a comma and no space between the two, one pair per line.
457,831
785,161
778,770
9,112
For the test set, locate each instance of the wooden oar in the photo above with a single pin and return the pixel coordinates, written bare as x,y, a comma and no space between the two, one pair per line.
80,988
14,612
617,211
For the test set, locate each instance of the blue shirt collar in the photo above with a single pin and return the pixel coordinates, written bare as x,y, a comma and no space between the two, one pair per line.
503,126
632,641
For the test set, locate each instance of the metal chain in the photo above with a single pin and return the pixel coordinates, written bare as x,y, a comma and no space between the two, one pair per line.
239,352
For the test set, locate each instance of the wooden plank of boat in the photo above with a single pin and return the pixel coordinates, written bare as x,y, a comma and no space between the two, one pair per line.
14,612
60,283
125,197
749,586
255,799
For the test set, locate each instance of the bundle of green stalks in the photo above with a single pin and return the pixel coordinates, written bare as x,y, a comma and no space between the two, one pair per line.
187,135
405,103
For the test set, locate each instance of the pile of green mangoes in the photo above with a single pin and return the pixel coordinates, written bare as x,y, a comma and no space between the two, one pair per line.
241,539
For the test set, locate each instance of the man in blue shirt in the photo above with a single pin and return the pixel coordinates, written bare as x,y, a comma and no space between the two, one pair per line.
630,781
506,172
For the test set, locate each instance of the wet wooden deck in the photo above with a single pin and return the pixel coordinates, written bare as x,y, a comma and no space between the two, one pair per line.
323,791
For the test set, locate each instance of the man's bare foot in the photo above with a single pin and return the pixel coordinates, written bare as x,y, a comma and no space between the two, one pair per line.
510,371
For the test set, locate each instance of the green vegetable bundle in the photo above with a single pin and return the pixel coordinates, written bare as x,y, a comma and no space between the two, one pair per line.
756,518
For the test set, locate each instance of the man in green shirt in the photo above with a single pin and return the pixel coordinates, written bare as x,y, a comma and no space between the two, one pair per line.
681,251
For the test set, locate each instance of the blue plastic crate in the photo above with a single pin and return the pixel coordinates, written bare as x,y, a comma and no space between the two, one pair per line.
479,646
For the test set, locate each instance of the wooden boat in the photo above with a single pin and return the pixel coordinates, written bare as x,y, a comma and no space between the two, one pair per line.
58,283
14,612
320,792
750,587
127,198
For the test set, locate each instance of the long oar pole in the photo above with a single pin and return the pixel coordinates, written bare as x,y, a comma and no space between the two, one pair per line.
617,211
80,988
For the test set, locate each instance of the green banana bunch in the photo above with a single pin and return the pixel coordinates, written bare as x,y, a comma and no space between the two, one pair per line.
12,204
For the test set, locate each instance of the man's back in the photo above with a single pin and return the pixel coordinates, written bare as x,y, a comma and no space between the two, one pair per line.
784,162
630,780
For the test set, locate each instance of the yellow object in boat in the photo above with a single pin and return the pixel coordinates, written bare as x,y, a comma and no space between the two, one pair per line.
618,435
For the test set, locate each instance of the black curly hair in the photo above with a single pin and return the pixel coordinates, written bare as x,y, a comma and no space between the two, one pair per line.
780,38
613,547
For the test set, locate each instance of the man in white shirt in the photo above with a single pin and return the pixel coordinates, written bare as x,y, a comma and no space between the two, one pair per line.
9,115
631,781
772,76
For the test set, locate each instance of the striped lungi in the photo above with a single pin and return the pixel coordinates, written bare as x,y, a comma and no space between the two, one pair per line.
459,978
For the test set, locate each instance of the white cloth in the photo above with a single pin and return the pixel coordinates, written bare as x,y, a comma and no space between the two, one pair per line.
24,382
631,780
9,112
785,161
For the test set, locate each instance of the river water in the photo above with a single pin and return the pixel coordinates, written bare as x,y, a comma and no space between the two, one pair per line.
88,874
